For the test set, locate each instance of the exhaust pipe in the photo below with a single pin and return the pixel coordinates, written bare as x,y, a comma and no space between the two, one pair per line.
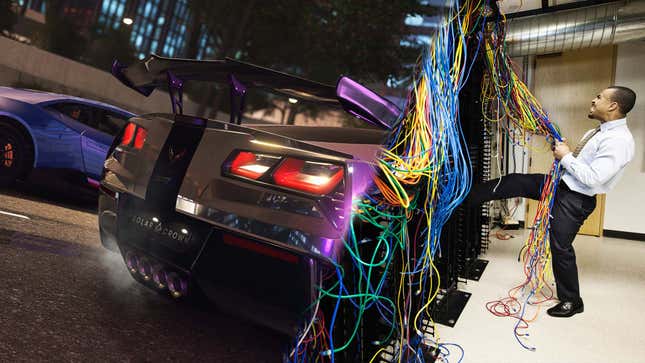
155,272
159,276
177,285
132,261
145,268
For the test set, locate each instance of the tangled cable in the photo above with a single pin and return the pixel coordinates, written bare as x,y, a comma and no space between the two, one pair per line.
423,174
507,101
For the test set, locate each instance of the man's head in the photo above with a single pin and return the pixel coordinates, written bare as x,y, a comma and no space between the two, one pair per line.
612,103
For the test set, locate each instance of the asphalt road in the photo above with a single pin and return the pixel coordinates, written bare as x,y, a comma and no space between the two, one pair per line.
65,298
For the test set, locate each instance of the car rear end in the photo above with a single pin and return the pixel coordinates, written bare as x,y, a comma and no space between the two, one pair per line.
248,216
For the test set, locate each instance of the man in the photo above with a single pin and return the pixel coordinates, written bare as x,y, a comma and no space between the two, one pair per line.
75,113
593,168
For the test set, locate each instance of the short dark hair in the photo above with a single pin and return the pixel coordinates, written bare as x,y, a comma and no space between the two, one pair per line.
624,97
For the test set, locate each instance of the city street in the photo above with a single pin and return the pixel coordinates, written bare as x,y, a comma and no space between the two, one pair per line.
65,298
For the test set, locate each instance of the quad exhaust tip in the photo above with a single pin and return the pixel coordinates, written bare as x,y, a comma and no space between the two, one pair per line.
132,261
155,272
178,286
159,276
145,268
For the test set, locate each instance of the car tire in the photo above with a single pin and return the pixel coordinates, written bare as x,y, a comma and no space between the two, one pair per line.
16,154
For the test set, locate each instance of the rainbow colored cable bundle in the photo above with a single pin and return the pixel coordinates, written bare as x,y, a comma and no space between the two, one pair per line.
422,176
424,173
507,101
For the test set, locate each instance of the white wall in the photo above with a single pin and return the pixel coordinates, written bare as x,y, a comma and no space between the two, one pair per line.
625,205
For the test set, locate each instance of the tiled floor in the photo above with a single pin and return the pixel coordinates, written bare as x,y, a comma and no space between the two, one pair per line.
612,328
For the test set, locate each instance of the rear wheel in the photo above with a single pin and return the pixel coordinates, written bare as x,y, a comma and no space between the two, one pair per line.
16,154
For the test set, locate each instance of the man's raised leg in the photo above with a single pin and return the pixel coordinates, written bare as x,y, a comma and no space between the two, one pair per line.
510,186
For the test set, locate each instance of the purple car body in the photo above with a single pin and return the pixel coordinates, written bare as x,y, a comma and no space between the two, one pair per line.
61,131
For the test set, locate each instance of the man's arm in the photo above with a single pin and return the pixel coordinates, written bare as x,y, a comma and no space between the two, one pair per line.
609,159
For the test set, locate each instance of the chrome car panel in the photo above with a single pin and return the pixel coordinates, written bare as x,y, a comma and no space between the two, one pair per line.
251,244
275,233
129,171
294,220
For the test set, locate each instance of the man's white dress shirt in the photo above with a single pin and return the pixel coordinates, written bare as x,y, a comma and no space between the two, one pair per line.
601,161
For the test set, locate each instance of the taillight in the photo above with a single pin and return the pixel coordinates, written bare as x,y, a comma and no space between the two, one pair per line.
140,138
136,133
260,248
251,165
128,134
308,176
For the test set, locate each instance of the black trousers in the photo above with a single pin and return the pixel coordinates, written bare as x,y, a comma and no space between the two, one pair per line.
570,209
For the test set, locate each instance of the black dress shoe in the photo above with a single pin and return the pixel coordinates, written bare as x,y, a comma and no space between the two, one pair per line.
566,309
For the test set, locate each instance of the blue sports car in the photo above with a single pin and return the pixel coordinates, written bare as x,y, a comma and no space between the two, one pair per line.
53,131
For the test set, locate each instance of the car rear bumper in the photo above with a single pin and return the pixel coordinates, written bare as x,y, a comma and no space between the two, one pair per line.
267,284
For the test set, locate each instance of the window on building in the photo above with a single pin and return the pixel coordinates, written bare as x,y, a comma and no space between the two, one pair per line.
160,26
177,28
111,13
146,33
205,48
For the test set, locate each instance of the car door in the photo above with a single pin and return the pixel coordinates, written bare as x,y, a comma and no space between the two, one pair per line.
96,140
60,146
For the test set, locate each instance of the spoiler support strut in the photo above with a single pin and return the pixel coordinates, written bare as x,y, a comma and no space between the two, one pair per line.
176,92
238,96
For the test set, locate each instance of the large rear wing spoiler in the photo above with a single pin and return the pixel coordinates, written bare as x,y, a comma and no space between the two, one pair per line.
155,71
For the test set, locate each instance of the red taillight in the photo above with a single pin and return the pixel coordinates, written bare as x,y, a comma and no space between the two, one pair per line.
136,133
259,248
128,134
252,165
140,138
308,176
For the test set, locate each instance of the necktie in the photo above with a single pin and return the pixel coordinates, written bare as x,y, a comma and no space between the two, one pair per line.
584,141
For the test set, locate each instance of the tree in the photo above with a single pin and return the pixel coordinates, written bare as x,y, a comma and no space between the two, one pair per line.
315,39
226,21
60,34
108,45
322,39
8,17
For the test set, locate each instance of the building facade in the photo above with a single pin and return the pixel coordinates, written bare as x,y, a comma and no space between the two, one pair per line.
164,27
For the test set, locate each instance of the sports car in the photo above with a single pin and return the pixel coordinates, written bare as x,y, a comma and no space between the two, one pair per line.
53,131
250,216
